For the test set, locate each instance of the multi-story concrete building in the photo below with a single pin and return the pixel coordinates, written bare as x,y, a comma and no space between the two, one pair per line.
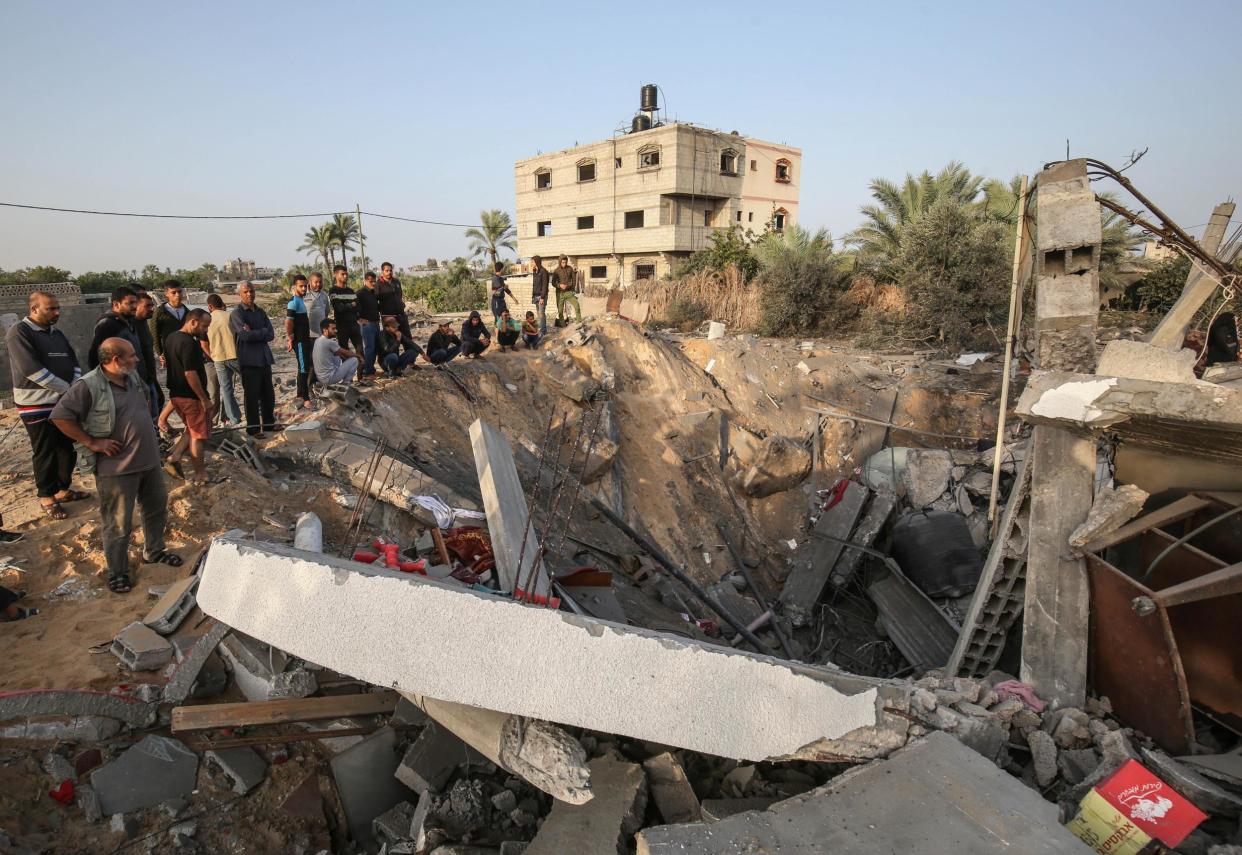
631,207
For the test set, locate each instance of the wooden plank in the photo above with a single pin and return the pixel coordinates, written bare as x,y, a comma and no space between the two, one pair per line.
206,716
441,550
814,562
1171,513
1218,583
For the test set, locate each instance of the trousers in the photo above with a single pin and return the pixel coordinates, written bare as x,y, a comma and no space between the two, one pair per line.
259,396
226,370
53,458
117,495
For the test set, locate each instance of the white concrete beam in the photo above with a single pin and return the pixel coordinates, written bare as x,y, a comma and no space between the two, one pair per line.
431,638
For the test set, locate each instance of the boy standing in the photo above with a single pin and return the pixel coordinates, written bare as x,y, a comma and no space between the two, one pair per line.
298,338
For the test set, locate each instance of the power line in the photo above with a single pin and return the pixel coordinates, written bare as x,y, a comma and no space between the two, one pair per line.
229,216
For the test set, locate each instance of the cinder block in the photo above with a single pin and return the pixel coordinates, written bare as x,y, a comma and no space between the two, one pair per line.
243,766
141,648
308,431
430,761
172,607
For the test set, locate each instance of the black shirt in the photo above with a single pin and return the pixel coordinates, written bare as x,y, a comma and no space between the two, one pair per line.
184,353
112,325
442,341
367,302
389,294
344,308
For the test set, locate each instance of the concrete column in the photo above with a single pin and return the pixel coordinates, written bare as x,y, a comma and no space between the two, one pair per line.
1171,331
1067,293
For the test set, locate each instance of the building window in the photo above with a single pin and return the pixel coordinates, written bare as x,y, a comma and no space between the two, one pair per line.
644,271
707,216
543,179
754,166
544,228
739,216
778,219
586,170
649,157
586,222
728,162
784,171
633,219
599,271
616,162
750,218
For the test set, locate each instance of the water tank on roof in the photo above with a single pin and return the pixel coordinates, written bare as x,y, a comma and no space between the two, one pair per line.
642,122
648,99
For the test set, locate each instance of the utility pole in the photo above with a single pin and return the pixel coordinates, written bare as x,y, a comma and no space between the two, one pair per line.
362,246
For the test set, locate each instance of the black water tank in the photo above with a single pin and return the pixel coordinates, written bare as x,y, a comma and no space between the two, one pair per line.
642,122
935,551
648,98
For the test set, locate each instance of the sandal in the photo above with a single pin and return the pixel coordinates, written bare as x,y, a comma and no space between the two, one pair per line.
55,511
172,559
120,585
73,496
22,614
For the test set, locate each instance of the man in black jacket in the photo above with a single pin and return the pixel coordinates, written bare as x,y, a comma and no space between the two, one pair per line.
391,301
345,313
539,292
367,301
169,317
253,331
118,323
147,364
443,344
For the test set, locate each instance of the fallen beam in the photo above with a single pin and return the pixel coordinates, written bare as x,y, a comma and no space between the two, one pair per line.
75,702
205,716
1171,330
542,753
422,636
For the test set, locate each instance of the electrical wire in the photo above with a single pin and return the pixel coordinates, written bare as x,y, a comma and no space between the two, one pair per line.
230,216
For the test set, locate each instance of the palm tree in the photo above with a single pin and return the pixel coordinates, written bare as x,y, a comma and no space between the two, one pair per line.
345,233
794,242
497,233
879,238
319,241
1118,240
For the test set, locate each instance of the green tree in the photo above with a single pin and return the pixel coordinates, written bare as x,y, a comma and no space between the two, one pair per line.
726,246
345,233
1159,289
495,232
1118,241
801,281
878,239
954,268
319,241
102,282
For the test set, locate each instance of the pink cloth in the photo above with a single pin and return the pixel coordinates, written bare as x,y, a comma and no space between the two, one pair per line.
1018,689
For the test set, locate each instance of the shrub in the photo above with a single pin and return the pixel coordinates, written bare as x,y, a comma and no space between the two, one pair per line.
685,313
729,247
955,271
801,282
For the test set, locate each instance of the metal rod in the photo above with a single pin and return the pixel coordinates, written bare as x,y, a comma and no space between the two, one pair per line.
534,495
750,583
1015,286
694,587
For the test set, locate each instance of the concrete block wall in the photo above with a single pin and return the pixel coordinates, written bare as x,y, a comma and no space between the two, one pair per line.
76,321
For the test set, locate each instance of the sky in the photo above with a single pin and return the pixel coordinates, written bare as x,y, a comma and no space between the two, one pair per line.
420,110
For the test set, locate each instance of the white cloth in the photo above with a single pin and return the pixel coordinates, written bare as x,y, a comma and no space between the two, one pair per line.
445,516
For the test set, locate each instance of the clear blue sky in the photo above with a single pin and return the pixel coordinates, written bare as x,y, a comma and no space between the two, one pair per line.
421,110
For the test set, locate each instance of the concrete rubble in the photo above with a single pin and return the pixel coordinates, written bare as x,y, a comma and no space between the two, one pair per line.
141,648
154,770
606,823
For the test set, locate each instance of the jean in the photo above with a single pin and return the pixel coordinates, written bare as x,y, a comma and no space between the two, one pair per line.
395,362
531,340
352,338
474,346
117,494
507,338
226,370
260,397
301,350
541,309
53,458
370,339
213,391
444,354
155,399
345,371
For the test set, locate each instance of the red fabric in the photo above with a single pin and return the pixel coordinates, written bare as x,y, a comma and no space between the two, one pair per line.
836,494
63,793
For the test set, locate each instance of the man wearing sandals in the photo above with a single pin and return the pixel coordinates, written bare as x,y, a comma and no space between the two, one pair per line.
106,414
187,394
43,365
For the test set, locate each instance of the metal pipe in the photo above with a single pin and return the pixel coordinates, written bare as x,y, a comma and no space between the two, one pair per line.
754,589
694,587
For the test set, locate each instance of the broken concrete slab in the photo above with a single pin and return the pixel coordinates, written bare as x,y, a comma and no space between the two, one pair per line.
541,753
35,703
618,679
508,515
156,769
671,790
603,825
1143,361
393,826
814,562
1207,795
365,781
141,648
259,670
243,766
430,761
948,798
1113,507
879,509
87,728
185,673
172,607
1199,420
715,810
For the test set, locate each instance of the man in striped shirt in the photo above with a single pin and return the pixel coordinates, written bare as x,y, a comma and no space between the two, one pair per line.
43,365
